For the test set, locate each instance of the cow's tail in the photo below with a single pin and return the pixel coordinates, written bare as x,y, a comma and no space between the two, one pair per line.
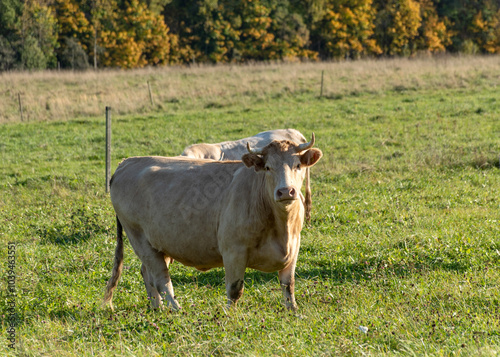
118,266
308,198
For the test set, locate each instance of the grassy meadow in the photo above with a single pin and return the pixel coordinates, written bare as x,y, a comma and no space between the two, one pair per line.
404,238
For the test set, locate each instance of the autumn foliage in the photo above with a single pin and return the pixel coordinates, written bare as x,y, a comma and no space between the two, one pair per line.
136,33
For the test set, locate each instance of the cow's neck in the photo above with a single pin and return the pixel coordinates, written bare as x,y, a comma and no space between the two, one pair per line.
286,226
285,220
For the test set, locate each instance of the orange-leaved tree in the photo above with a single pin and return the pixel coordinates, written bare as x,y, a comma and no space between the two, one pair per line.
271,30
257,40
217,34
347,29
135,37
434,35
397,25
75,33
486,27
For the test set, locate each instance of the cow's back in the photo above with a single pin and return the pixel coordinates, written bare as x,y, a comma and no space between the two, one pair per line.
203,151
234,150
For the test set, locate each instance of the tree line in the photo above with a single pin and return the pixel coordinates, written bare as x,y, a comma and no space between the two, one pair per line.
78,34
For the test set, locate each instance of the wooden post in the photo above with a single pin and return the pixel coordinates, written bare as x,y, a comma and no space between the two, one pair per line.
95,47
321,93
151,95
20,106
108,147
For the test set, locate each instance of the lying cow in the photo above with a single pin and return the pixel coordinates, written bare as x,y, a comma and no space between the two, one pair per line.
234,150
208,214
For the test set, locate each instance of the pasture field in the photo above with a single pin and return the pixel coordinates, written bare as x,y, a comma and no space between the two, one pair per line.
404,238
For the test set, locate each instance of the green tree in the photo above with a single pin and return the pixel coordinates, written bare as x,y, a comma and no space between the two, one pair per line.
28,34
290,31
10,35
467,25
187,19
73,55
155,6
39,29
32,56
397,25
7,54
217,36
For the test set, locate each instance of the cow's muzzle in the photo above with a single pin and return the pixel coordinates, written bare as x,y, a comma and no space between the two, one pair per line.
286,194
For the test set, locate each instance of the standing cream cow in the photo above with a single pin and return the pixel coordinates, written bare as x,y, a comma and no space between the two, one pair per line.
207,214
234,150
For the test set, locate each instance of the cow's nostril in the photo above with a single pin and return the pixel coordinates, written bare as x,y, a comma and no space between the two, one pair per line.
286,193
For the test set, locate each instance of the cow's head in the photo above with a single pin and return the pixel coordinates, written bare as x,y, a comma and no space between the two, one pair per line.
284,164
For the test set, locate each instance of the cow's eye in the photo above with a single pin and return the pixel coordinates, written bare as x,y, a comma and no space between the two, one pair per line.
268,168
298,167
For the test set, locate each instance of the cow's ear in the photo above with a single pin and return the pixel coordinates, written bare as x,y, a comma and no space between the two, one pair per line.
253,160
310,157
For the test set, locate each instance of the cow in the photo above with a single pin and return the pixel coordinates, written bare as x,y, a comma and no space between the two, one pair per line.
234,150
208,213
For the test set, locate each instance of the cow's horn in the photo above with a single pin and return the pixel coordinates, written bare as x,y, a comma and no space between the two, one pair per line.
256,152
306,146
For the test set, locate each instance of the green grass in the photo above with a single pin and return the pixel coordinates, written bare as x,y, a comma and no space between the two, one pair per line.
404,238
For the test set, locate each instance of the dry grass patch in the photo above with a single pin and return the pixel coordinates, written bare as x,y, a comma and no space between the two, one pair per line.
63,95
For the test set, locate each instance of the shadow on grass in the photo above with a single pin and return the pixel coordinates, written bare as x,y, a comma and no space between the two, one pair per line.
381,266
372,269
216,278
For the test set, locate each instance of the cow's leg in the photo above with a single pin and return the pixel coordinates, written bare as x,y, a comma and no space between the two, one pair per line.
159,278
287,281
153,294
154,270
234,266
170,288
